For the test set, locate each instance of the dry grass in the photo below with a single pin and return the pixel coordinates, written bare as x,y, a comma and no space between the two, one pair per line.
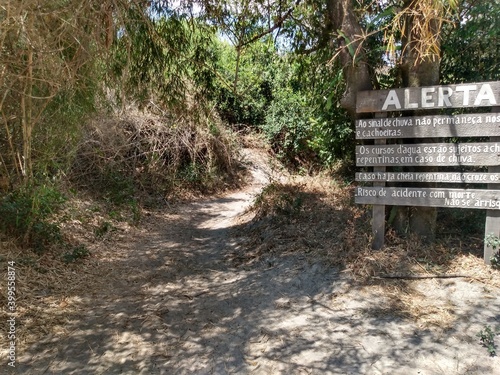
46,293
321,210
50,291
316,216
158,153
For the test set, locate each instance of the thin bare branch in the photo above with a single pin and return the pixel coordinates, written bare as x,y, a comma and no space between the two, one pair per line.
277,24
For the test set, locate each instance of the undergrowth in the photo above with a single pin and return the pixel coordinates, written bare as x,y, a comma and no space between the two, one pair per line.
31,217
125,162
487,339
27,215
317,214
279,199
493,241
144,154
316,219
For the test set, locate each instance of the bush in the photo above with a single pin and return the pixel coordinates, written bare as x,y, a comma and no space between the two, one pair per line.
244,99
331,139
56,138
493,241
26,215
287,128
120,157
76,253
304,122
279,200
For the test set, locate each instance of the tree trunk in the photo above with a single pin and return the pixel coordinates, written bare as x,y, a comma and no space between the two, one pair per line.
420,68
236,71
345,24
421,220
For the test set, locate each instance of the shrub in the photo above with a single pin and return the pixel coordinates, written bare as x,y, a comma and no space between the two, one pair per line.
287,128
76,253
493,241
120,157
487,339
282,201
26,215
305,123
242,98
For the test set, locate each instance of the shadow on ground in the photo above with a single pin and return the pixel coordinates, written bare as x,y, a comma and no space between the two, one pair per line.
195,293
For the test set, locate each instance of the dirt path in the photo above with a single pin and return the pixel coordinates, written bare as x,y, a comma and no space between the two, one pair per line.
173,303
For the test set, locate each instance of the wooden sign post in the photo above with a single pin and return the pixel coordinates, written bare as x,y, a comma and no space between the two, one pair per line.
386,160
492,225
378,215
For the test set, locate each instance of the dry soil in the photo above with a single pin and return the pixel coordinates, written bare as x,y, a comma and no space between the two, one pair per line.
170,301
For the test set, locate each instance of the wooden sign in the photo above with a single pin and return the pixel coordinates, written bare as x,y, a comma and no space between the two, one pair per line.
429,197
468,125
484,94
443,177
381,156
429,154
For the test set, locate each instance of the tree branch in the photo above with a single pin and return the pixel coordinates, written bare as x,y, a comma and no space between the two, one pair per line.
277,25
420,277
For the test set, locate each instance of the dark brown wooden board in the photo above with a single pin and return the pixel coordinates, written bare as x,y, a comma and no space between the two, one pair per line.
492,222
429,154
443,177
483,94
468,125
429,197
378,211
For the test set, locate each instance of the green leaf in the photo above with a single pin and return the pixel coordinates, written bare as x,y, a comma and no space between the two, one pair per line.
348,43
329,102
379,17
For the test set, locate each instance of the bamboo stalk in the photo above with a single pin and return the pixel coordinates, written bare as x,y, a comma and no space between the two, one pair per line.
9,137
27,109
237,71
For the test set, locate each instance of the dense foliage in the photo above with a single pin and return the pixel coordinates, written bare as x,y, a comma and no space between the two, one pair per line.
48,82
471,48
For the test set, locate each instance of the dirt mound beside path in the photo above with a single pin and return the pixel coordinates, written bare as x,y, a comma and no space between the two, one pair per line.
168,299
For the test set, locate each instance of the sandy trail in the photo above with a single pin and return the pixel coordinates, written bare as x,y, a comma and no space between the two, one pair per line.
175,304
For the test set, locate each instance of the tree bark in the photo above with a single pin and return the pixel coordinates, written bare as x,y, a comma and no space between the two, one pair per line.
345,25
420,68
